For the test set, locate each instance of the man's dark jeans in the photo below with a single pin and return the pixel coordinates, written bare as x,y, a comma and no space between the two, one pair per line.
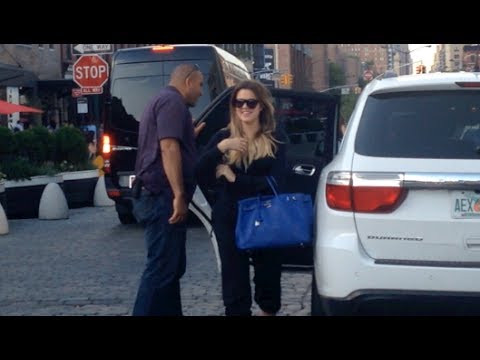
159,291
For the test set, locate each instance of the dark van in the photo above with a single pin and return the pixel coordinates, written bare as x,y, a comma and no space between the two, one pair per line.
136,76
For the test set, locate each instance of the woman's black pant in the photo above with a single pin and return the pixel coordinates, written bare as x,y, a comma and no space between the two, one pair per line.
236,288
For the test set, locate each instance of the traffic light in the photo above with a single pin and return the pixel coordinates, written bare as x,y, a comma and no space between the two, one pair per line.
421,69
289,79
286,79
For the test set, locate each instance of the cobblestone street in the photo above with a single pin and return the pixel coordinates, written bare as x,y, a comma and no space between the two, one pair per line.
91,265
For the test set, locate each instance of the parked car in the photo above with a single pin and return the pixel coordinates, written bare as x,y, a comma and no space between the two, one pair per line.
309,120
398,208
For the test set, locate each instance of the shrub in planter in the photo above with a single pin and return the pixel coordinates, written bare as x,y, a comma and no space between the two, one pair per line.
71,146
3,201
47,141
79,174
7,143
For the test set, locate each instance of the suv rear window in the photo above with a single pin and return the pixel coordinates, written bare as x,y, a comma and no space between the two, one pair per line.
421,124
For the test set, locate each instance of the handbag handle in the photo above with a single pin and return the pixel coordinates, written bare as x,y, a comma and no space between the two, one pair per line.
272,182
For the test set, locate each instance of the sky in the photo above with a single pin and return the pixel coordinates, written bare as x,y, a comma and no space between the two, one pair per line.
423,53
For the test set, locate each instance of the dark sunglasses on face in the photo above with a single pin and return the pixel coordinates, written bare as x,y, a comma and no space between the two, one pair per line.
251,103
194,68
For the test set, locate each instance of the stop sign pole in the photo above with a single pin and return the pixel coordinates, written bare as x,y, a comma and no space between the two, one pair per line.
90,72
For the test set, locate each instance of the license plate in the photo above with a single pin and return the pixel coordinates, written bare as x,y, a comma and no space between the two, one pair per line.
465,204
130,180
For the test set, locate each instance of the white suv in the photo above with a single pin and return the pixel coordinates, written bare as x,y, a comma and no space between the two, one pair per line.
398,208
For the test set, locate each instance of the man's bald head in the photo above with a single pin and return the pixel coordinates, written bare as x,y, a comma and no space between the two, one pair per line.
188,79
182,72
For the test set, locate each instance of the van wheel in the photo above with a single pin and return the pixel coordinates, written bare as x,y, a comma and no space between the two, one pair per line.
126,218
317,307
125,214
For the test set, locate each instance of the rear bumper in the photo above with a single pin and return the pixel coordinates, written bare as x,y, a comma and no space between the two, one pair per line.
121,195
404,304
344,272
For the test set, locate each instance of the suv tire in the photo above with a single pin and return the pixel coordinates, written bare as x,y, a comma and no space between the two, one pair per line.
316,305
125,214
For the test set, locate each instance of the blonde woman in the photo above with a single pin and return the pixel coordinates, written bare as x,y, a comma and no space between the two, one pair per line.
237,160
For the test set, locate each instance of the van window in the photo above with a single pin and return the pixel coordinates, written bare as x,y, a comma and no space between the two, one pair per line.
304,122
136,84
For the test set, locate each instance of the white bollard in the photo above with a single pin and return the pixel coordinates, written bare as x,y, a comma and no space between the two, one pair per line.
3,222
53,204
100,197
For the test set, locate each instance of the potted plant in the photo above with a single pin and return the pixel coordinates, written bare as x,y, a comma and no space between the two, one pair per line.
79,174
3,199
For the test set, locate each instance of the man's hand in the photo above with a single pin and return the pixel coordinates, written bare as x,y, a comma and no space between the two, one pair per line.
199,128
180,210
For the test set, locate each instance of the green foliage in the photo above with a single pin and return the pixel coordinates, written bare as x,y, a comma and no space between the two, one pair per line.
7,142
71,146
336,75
47,141
29,146
19,169
65,166
36,151
347,105
35,144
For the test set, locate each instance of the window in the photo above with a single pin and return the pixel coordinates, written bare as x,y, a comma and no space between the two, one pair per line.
303,122
427,124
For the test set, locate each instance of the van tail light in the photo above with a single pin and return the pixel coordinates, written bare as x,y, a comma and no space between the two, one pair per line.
106,152
365,192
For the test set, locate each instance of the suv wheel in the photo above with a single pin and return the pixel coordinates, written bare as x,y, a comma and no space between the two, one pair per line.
126,218
317,307
125,214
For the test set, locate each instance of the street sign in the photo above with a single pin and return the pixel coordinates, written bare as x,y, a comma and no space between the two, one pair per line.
85,49
92,90
90,71
82,105
367,75
76,92
345,91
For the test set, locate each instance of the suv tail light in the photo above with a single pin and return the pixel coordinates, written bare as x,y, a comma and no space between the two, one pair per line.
365,192
106,152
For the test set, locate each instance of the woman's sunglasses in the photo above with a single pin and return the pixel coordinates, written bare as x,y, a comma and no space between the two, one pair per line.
251,103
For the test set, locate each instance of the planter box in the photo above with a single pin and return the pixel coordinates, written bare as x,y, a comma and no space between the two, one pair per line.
79,187
23,196
3,197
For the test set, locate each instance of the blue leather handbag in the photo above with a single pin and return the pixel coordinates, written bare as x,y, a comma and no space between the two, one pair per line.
279,220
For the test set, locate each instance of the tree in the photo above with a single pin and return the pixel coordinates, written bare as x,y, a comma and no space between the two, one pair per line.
347,104
336,75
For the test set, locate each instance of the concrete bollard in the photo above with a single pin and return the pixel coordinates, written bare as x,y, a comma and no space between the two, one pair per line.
100,197
53,204
3,222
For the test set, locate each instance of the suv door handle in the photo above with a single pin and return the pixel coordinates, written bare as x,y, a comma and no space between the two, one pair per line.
305,170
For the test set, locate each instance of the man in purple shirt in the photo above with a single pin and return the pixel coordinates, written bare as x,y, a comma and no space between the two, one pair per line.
165,185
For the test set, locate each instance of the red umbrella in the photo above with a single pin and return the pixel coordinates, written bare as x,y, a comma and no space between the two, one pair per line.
9,108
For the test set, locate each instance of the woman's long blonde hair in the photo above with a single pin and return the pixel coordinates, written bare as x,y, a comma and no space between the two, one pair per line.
263,144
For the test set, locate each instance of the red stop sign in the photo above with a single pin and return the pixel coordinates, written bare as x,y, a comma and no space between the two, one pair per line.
90,71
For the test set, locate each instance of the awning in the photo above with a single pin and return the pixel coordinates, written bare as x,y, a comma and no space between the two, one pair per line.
9,108
11,75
